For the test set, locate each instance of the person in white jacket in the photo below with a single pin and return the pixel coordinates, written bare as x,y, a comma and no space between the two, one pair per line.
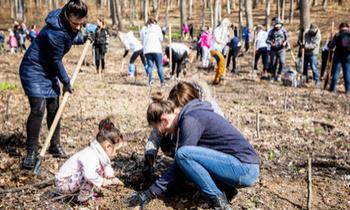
130,42
261,48
91,167
151,38
219,41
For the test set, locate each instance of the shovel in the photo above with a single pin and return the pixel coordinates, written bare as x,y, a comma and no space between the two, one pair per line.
37,167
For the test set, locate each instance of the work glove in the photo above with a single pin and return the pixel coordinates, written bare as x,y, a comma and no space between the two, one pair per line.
67,88
140,198
148,166
88,36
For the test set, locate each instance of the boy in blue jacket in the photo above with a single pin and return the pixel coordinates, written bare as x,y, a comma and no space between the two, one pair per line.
42,69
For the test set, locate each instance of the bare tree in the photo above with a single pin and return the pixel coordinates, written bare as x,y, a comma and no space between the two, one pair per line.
157,10
240,18
255,4
216,12
304,15
324,5
267,13
291,11
118,14
278,8
212,13
228,6
167,12
283,5
190,6
203,12
182,15
145,10
249,16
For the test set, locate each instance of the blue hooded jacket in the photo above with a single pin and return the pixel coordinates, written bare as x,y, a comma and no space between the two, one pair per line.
198,125
42,64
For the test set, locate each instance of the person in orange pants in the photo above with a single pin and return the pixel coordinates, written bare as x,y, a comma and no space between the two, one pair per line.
220,70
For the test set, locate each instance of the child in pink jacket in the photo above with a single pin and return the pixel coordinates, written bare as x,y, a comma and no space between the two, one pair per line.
91,167
12,42
206,39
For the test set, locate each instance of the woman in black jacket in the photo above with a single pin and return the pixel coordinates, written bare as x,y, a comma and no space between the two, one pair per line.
100,44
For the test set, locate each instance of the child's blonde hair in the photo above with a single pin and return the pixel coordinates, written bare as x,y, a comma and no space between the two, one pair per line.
108,132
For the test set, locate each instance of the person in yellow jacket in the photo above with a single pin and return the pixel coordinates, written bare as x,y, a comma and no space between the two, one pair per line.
221,37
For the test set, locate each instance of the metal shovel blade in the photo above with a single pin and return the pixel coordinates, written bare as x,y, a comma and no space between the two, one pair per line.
37,168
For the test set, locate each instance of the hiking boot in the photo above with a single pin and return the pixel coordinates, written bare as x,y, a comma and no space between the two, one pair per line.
57,151
220,202
29,160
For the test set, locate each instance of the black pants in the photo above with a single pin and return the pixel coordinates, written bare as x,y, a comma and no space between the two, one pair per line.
100,56
177,60
135,55
37,111
261,52
232,53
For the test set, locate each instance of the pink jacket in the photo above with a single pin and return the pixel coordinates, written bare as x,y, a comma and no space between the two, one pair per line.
185,28
206,39
12,42
91,163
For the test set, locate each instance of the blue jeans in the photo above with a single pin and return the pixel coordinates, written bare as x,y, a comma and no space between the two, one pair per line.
201,165
312,60
344,62
152,58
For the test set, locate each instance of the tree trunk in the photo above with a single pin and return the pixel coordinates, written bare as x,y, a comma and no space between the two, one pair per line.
324,5
240,18
182,16
233,4
267,14
304,15
314,3
278,8
203,13
255,4
216,13
119,16
291,11
220,7
145,10
249,16
190,5
228,6
283,5
157,11
212,14
113,15
167,12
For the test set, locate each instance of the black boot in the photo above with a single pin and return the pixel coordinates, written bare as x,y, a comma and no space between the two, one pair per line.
29,160
220,202
57,151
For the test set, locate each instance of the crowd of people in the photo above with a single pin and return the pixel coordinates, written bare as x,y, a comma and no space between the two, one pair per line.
17,37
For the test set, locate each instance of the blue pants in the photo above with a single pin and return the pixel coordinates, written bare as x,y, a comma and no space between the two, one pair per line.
344,62
312,60
152,58
201,165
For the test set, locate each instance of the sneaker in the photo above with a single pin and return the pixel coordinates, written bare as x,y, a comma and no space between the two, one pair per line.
150,83
29,160
162,84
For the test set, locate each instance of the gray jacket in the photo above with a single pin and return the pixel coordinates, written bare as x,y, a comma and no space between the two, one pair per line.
312,42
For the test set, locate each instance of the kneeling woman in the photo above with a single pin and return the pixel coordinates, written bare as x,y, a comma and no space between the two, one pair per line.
208,147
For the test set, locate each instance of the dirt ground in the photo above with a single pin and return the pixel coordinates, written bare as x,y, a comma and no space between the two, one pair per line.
294,123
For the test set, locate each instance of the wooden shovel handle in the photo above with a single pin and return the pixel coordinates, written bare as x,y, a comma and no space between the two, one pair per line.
64,101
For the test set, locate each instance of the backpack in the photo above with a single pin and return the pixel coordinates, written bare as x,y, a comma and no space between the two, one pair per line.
289,78
345,41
